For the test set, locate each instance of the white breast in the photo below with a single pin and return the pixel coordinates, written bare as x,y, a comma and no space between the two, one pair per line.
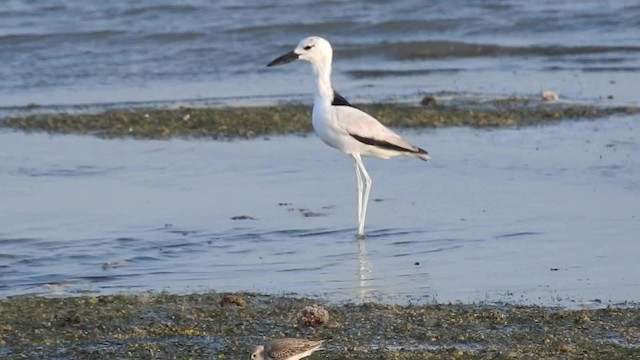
326,126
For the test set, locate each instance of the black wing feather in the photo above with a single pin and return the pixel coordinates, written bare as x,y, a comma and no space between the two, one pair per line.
386,145
339,100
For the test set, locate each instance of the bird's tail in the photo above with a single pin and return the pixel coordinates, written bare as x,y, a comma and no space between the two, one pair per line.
422,154
328,338
323,342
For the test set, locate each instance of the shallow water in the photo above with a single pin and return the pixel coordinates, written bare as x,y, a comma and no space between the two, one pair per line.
69,53
545,215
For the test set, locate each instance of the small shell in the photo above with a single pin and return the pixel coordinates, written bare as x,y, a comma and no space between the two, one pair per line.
231,299
313,316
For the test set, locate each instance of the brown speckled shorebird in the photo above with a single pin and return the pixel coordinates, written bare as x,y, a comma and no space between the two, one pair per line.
286,349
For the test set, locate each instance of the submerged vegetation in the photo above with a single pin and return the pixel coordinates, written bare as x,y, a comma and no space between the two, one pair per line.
205,326
249,122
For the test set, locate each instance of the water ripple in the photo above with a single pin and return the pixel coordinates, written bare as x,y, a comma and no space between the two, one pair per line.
159,9
78,171
518,234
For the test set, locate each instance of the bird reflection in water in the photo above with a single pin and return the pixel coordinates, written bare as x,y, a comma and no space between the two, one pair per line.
364,271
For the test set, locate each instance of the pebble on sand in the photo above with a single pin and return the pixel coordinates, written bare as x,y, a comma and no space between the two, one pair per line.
549,95
313,316
231,299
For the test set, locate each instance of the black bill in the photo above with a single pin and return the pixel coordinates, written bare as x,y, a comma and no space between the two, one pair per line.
284,59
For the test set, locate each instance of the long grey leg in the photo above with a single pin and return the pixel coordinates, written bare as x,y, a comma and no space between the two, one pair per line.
360,186
366,188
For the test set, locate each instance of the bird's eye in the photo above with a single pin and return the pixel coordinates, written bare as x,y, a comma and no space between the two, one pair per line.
308,47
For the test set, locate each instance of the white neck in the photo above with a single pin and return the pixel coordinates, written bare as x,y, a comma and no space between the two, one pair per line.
322,72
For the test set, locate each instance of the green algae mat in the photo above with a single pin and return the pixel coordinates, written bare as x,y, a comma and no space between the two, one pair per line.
249,122
202,326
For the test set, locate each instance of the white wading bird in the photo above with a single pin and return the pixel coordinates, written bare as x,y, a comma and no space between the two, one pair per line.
344,127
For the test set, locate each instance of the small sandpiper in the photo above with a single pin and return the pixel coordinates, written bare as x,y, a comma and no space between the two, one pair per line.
286,349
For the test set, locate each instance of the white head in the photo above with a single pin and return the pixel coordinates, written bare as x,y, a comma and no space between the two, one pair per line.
258,353
313,49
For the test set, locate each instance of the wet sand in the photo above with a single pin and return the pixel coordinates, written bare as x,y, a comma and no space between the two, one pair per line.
197,326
